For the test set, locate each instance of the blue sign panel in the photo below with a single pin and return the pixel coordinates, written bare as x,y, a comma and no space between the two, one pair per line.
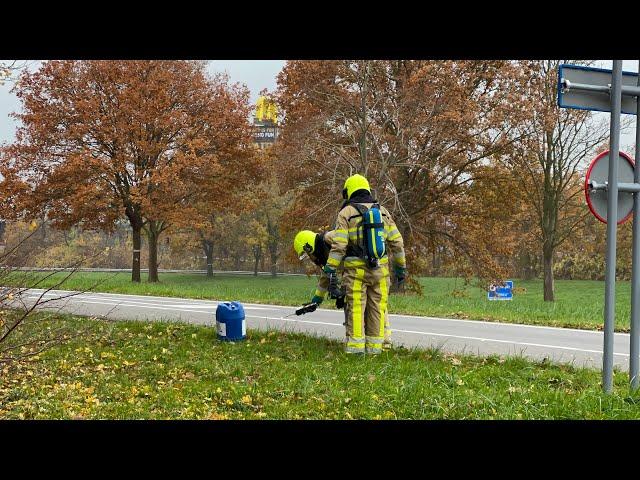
576,97
501,291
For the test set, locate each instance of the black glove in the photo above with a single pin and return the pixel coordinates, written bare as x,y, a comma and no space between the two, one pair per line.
401,275
340,302
308,308
334,289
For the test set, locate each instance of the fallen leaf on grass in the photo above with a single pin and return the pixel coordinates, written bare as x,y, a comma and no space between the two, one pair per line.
217,416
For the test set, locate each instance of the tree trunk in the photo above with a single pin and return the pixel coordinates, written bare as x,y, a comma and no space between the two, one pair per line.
526,266
207,245
153,256
137,242
274,264
257,254
548,275
274,238
43,229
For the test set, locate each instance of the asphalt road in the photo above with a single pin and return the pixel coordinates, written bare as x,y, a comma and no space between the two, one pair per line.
578,347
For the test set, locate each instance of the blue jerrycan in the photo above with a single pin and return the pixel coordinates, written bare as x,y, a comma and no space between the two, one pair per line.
230,322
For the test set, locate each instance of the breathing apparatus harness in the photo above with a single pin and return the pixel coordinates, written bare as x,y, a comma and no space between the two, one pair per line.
371,246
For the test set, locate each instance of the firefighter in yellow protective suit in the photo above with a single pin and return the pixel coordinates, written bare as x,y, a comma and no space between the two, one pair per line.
366,285
316,247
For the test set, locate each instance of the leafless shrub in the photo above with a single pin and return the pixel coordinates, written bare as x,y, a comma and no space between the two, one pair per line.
23,334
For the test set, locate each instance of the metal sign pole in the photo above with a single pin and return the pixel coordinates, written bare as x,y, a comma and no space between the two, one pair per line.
612,209
635,275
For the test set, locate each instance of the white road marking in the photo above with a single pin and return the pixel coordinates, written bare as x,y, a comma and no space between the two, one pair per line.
482,339
211,304
115,301
116,296
296,320
391,316
484,322
138,305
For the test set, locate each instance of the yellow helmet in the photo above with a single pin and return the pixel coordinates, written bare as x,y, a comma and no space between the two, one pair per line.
304,243
354,183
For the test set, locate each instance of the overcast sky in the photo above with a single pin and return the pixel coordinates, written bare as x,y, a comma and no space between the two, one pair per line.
256,75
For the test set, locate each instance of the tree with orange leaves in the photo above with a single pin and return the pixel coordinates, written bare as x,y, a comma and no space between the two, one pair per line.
422,132
143,139
549,163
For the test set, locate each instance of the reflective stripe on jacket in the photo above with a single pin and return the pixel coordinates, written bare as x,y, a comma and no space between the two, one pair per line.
349,226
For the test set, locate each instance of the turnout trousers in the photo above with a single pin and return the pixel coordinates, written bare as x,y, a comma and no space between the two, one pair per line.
367,294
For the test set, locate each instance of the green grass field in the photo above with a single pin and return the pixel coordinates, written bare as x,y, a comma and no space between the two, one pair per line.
137,370
579,303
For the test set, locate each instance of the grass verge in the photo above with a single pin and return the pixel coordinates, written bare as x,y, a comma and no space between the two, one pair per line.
136,370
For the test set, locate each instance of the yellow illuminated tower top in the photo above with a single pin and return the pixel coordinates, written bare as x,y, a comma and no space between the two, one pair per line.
266,110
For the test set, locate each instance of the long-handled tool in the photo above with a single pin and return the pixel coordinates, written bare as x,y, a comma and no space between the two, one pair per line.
308,308
311,307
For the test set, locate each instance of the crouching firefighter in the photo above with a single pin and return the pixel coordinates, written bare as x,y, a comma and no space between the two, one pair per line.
363,233
315,247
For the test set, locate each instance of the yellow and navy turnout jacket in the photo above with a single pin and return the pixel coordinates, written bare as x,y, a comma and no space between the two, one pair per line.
349,229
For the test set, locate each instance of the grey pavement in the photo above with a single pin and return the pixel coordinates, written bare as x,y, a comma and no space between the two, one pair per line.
565,345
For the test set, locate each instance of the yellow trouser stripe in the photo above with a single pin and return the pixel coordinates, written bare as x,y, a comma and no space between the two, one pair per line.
357,303
349,349
383,299
393,237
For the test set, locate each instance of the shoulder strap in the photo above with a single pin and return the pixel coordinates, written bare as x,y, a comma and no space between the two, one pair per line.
360,208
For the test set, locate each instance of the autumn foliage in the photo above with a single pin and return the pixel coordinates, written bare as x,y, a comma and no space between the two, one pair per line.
147,140
423,132
480,168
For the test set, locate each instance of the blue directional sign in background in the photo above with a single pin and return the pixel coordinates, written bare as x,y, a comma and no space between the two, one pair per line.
572,80
501,292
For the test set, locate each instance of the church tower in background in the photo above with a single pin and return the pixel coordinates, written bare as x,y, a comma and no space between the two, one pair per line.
265,122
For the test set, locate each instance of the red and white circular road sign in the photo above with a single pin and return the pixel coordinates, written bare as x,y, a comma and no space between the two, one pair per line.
597,199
